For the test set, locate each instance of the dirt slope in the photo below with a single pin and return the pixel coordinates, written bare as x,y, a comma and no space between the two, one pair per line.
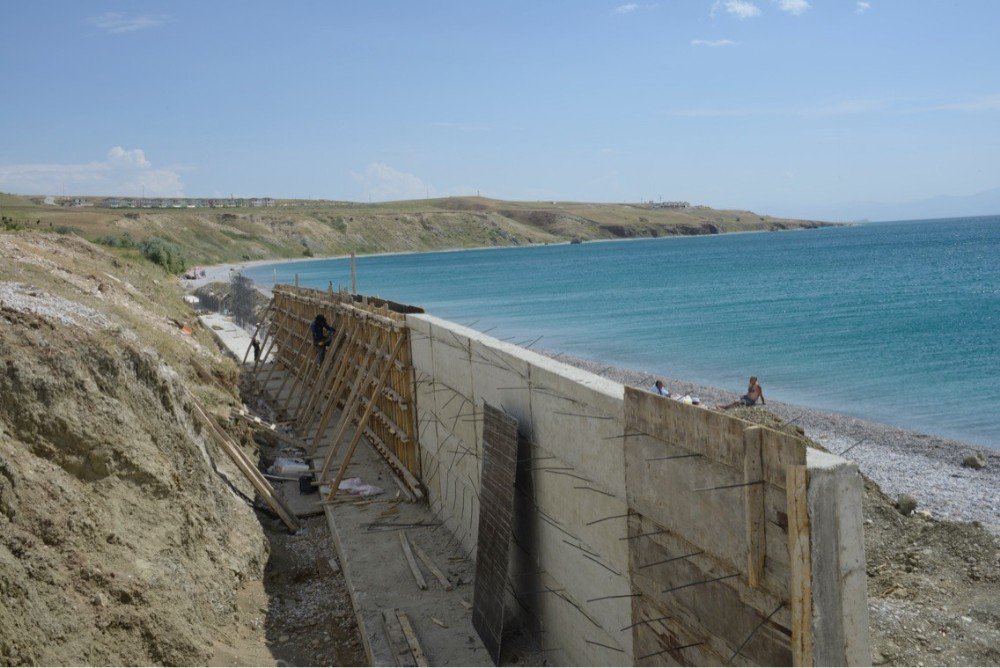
294,229
124,534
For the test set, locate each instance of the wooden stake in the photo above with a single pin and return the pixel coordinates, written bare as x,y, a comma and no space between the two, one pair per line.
753,502
800,560
405,544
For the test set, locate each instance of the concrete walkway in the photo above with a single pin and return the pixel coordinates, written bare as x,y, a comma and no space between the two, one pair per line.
366,533
234,339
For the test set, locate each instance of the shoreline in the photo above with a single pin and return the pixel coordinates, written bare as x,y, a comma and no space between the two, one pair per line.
901,461
221,272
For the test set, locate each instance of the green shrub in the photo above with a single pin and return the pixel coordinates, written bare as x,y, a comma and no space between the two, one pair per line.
164,253
123,241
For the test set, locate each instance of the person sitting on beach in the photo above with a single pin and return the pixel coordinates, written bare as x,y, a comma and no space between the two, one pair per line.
659,389
322,334
754,394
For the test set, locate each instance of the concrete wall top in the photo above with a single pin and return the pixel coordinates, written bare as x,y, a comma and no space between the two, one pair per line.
421,322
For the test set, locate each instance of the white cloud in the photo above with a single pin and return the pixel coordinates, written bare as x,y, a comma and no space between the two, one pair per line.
794,7
630,7
381,183
122,172
115,22
862,7
741,9
713,42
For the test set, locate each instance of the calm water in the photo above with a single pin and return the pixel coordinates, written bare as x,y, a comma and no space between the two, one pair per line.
897,322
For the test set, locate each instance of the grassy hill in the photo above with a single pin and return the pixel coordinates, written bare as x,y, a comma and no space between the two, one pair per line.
297,228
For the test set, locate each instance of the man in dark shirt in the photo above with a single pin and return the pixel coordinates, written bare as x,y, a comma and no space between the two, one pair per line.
322,334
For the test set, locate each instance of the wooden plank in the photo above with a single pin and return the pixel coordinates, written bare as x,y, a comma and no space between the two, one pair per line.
432,567
398,644
411,638
753,502
800,587
408,553
247,468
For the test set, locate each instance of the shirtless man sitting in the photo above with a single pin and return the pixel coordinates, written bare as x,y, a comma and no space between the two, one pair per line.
754,393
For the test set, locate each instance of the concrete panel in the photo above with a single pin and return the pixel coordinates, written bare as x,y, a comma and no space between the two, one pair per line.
579,417
839,596
501,378
590,561
566,628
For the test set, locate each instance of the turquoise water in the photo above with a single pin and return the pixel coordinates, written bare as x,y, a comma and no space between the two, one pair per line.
896,322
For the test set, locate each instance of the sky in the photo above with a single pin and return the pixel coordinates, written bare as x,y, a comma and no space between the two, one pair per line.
786,107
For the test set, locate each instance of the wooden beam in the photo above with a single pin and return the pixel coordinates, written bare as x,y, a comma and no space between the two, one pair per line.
306,417
247,468
350,405
411,638
408,553
753,502
799,548
398,643
432,567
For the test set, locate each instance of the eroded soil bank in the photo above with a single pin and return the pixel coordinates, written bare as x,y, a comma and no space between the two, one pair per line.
127,537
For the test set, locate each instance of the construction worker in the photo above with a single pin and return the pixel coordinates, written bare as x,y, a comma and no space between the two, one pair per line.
322,334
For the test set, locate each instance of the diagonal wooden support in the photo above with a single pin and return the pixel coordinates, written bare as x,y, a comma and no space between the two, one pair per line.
350,405
361,423
246,467
263,319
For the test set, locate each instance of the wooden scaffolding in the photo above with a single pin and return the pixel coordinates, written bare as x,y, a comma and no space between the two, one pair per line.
364,378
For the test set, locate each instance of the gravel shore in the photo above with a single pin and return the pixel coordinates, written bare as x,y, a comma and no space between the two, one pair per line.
928,468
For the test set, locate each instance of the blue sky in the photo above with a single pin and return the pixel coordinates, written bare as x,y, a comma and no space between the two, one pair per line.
790,107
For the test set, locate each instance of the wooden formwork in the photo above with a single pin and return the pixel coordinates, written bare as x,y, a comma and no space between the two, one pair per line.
719,538
312,388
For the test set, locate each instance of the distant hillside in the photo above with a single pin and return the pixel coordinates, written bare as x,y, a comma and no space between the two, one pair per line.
293,229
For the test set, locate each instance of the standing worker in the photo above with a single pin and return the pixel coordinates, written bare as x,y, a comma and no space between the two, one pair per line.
322,334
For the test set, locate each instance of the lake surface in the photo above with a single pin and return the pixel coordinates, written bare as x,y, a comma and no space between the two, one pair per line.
897,322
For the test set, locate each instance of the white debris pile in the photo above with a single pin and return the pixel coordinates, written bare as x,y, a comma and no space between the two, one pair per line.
29,299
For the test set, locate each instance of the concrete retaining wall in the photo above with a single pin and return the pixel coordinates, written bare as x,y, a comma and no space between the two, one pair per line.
575,576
